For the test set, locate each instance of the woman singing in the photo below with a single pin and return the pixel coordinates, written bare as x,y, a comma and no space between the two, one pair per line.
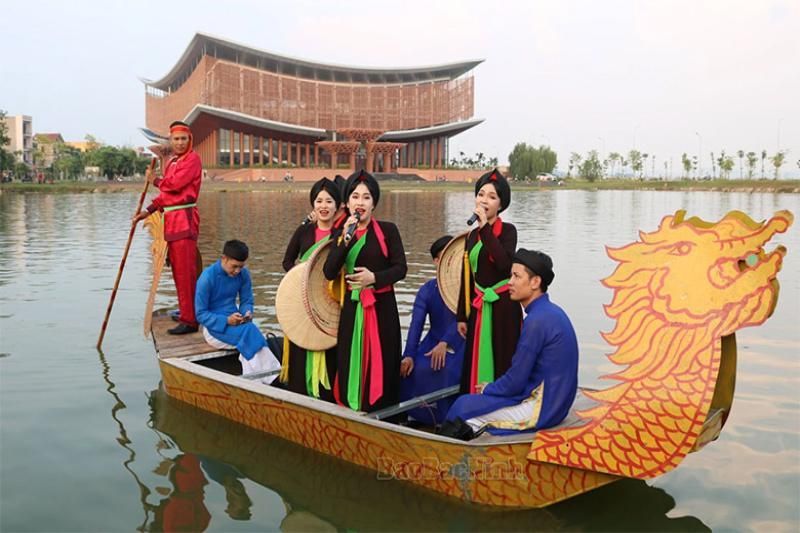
486,315
372,256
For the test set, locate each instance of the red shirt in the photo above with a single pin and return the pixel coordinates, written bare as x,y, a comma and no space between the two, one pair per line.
179,186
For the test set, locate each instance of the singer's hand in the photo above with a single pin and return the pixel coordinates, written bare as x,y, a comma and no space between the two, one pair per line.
312,217
482,218
362,277
351,222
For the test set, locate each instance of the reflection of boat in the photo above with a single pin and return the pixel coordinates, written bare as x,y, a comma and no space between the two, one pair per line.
674,332
320,489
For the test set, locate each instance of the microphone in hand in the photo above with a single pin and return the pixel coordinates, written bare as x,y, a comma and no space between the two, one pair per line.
352,228
472,219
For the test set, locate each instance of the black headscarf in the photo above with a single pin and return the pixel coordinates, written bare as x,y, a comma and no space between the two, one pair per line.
328,186
500,184
539,263
439,244
341,183
366,178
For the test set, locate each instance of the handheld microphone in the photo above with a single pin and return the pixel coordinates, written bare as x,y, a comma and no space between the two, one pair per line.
472,219
352,229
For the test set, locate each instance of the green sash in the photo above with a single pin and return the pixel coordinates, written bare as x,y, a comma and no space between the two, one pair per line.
357,342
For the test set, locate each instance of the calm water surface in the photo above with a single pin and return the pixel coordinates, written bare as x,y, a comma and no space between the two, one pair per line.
88,443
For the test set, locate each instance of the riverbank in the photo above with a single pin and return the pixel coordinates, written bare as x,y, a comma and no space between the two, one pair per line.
778,186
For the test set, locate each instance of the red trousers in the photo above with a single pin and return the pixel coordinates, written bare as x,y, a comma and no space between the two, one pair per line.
183,258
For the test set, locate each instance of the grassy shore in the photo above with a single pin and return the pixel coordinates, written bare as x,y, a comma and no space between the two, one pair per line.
783,186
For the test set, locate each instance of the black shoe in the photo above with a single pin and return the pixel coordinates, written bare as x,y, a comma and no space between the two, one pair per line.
457,429
175,315
182,329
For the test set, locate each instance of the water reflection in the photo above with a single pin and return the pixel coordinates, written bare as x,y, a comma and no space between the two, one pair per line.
318,489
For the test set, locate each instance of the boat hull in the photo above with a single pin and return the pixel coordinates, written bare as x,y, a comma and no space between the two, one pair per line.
495,474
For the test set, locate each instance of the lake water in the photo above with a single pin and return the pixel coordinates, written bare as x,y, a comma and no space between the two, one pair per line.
88,443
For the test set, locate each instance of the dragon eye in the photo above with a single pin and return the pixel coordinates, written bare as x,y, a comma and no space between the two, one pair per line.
682,248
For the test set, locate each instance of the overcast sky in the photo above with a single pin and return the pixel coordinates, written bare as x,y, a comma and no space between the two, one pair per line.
667,76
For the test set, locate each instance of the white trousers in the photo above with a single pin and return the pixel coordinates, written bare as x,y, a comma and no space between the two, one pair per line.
263,361
512,417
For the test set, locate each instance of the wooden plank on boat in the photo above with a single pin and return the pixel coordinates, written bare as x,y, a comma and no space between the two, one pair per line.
177,345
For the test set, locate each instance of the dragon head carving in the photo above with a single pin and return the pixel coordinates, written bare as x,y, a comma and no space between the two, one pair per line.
694,272
678,291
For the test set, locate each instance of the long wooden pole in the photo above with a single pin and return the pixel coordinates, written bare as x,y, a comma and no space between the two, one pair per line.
124,257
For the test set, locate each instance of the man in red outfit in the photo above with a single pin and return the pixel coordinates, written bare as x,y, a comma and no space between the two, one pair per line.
179,188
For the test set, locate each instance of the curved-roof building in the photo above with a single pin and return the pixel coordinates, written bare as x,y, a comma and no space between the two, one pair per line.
253,107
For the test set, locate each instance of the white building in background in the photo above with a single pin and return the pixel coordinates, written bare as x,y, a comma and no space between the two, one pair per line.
20,131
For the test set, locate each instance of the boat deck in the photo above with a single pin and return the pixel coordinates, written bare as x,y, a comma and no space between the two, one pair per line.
169,346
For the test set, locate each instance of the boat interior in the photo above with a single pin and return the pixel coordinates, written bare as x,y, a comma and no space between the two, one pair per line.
193,349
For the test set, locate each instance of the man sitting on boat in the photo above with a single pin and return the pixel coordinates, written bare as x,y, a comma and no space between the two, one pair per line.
226,325
434,362
537,391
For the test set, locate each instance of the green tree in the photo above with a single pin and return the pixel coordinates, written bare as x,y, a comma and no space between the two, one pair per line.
740,153
591,168
763,157
614,157
6,157
68,162
752,159
21,170
525,160
777,161
687,165
714,163
574,162
726,165
635,158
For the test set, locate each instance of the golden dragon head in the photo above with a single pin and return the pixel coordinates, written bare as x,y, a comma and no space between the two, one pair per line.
693,272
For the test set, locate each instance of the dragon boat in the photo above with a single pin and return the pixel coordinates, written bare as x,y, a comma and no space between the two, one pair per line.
679,295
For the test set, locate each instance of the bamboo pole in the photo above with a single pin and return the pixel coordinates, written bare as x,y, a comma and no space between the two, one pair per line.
124,258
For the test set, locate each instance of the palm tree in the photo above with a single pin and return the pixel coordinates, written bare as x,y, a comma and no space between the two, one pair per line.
644,164
752,159
777,161
741,156
713,165
763,157
687,165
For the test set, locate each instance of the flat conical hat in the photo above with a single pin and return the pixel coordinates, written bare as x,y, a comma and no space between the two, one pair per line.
448,273
292,316
320,296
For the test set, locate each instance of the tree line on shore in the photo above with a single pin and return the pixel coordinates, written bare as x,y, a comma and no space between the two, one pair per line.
528,162
56,160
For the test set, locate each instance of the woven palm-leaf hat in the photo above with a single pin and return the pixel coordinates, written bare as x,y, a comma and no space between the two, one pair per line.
449,273
322,297
295,322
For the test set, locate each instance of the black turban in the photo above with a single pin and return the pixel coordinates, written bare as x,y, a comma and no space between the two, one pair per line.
500,184
328,186
341,183
439,244
539,263
366,178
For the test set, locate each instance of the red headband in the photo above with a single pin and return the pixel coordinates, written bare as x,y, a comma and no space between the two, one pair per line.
180,127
